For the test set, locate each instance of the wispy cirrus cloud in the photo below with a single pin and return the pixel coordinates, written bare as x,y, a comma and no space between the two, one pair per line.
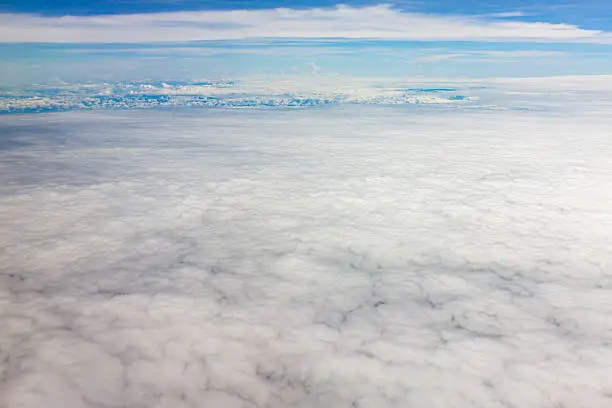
508,14
497,55
377,22
441,57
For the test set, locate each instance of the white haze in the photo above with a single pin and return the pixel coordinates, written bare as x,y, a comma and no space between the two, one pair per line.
326,257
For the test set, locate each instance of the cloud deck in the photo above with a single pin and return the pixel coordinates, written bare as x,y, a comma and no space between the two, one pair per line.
347,257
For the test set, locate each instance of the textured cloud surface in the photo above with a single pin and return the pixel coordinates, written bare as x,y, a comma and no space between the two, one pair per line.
327,257
381,21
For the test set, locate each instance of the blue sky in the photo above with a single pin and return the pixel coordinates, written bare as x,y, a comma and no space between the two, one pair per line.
590,13
186,39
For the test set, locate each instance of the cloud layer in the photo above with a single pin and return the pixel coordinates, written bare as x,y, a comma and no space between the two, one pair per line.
345,257
381,22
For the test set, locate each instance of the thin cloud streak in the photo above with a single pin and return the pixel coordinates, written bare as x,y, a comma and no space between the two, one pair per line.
498,55
376,22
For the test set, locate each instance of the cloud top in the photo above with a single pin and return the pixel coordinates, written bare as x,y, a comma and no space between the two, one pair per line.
358,256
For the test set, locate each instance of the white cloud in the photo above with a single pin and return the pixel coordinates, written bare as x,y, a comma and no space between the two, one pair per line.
381,22
308,258
472,55
508,14
441,57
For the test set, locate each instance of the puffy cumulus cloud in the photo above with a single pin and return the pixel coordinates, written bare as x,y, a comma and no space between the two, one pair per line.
383,22
344,257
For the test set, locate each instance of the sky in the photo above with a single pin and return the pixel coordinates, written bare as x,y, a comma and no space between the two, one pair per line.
274,204
591,13
65,41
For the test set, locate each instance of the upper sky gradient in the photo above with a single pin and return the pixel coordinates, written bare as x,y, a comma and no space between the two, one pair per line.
171,39
590,13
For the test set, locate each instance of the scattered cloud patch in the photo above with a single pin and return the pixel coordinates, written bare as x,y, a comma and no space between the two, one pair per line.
296,91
